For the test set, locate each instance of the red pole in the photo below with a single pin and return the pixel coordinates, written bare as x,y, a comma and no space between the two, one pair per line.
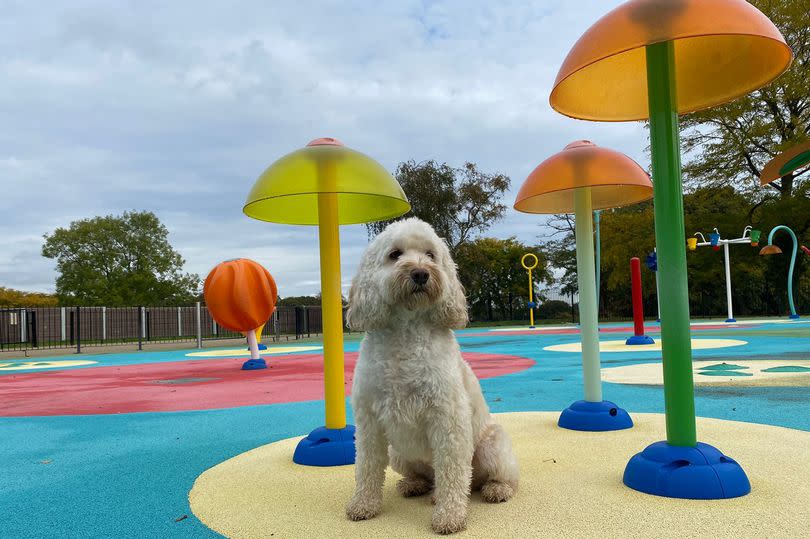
638,306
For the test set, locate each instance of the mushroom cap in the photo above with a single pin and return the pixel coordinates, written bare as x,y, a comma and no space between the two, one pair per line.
287,192
786,162
770,250
613,179
724,49
240,294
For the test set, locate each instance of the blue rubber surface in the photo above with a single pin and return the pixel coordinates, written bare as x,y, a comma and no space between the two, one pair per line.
129,475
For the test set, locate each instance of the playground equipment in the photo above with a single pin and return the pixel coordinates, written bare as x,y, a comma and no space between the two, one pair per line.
577,179
529,268
749,236
786,163
241,295
638,306
772,249
624,69
327,184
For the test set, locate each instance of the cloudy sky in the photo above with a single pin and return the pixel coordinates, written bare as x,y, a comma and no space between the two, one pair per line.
177,107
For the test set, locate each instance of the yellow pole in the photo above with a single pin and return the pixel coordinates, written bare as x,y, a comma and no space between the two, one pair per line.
331,302
531,298
258,332
529,268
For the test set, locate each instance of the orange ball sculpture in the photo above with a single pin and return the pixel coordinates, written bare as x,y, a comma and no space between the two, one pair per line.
240,295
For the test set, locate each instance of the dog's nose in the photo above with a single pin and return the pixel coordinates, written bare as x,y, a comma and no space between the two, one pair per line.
420,276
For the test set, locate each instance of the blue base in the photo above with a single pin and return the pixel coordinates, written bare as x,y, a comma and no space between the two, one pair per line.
697,473
639,339
326,447
261,347
595,417
731,320
794,316
531,327
254,364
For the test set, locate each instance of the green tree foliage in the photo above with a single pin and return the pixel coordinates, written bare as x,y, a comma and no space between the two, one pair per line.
299,300
19,298
457,202
118,260
496,283
729,144
758,283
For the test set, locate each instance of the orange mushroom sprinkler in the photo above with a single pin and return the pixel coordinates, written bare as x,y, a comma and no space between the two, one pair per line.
327,184
579,179
655,59
241,295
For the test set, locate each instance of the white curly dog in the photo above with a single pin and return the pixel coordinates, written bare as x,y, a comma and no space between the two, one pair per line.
417,404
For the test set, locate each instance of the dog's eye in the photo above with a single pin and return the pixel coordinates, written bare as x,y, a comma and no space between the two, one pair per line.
431,255
395,254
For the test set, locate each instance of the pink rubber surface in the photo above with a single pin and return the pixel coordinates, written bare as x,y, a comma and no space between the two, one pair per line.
190,385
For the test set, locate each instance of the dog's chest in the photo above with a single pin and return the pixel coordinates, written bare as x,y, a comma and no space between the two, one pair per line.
406,397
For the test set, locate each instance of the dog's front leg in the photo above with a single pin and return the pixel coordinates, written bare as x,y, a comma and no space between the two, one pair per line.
370,463
452,446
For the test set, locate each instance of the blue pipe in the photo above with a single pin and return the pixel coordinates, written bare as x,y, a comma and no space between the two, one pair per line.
793,314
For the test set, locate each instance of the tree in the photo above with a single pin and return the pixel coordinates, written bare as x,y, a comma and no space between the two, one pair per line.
457,202
118,260
19,298
491,273
729,144
561,250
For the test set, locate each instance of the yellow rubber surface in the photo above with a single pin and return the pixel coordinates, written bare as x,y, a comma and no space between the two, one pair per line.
571,486
620,346
652,373
244,352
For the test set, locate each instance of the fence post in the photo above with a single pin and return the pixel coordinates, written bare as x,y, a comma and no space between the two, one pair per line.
64,333
276,326
23,326
78,330
33,331
199,326
104,323
573,319
179,323
214,327
141,326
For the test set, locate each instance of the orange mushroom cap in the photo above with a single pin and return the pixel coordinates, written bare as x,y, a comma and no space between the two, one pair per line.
786,162
613,178
724,49
240,294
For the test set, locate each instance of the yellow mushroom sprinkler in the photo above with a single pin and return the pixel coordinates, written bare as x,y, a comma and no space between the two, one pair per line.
327,184
529,267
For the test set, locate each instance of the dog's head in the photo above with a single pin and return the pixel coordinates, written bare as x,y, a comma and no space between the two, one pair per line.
407,267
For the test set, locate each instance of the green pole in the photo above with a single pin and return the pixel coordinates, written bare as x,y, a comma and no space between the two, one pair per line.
596,216
792,263
670,238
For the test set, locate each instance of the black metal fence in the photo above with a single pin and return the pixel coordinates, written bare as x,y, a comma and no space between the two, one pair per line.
78,327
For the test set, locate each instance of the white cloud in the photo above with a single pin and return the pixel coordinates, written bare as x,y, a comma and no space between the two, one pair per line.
177,107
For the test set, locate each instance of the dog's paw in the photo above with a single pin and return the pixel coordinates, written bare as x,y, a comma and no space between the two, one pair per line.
413,486
363,508
445,522
496,491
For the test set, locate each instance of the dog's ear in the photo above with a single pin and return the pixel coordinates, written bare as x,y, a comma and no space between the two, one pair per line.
451,310
366,308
